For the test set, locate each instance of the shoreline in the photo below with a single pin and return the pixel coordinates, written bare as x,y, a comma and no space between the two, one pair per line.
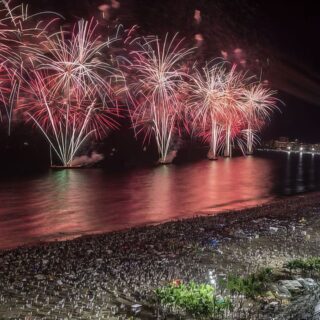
108,273
215,211
204,213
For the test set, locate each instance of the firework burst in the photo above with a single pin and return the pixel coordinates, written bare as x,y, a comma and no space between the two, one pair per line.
65,122
227,109
214,107
259,103
69,94
158,72
18,31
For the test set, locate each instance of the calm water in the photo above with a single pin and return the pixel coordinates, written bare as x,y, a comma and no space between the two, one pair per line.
65,204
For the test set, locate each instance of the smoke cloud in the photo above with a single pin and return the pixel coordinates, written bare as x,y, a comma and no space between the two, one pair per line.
87,160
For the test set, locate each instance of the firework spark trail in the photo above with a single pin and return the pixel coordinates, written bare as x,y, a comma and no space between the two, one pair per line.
259,103
77,60
159,74
56,119
18,30
203,105
214,106
9,83
69,94
9,92
225,106
66,124
233,110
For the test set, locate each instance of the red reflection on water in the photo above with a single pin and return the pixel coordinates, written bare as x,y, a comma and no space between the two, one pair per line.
65,204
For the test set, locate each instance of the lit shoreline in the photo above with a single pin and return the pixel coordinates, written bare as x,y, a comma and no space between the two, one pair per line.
288,151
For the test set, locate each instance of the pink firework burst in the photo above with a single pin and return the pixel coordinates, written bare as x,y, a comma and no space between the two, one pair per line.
158,72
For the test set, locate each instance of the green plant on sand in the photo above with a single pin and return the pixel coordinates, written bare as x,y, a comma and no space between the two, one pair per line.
307,265
198,300
252,285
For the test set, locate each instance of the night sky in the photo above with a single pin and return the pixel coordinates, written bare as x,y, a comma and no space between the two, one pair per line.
282,35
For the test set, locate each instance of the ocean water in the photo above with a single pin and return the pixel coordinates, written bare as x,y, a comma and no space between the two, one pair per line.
63,204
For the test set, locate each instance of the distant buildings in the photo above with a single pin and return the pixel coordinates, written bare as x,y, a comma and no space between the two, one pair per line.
284,144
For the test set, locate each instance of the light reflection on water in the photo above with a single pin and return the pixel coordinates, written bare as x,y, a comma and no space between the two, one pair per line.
68,203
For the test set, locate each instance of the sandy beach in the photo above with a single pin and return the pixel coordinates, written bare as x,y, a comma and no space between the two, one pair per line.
103,276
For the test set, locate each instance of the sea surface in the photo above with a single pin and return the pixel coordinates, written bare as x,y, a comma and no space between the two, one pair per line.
63,204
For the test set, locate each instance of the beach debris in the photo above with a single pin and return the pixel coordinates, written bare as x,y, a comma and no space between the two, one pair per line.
136,308
274,229
308,283
316,314
176,282
214,243
281,292
294,286
302,220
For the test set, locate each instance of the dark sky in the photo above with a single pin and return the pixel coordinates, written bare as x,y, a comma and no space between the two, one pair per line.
283,35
